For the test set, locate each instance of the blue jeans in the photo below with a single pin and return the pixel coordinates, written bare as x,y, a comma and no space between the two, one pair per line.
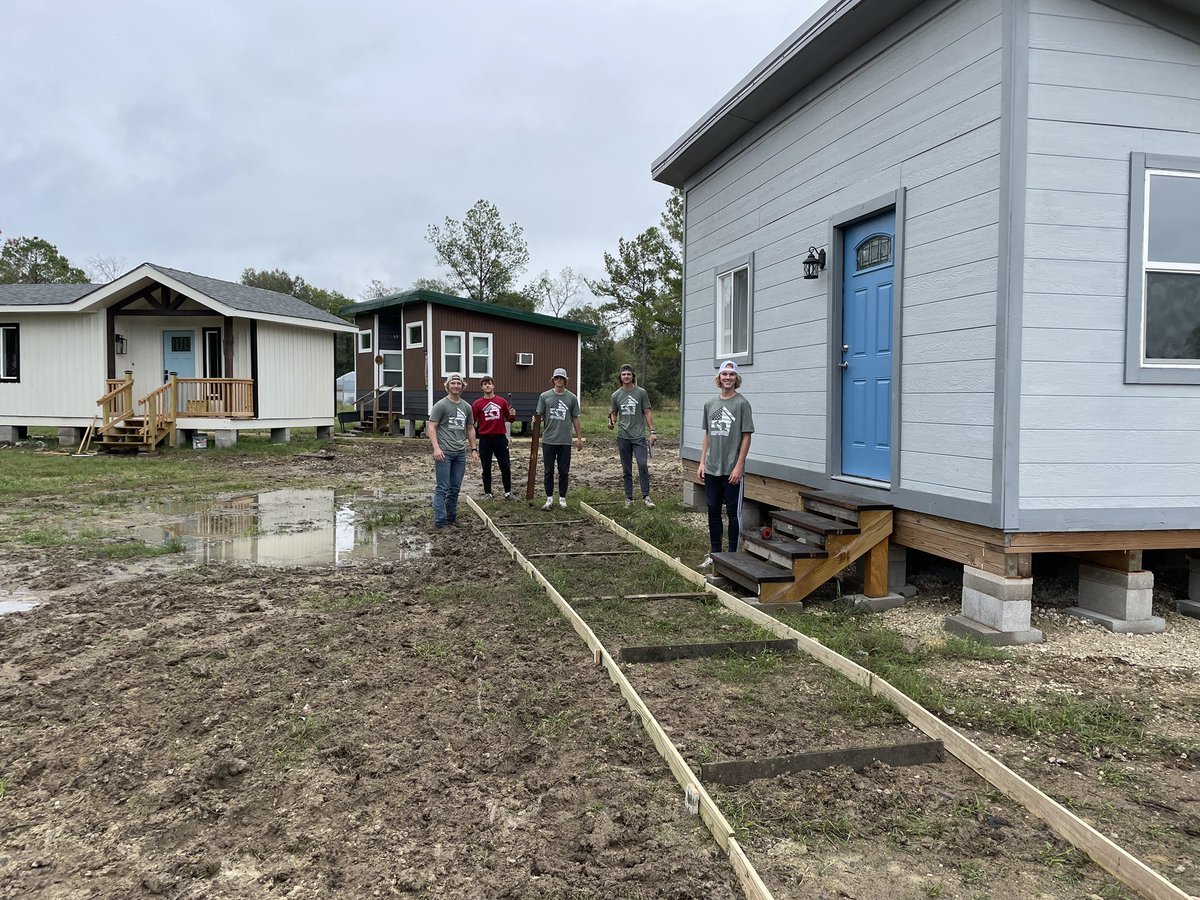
449,475
631,450
720,492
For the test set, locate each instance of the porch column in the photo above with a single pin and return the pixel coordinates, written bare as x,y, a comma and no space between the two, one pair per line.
995,609
1191,606
1120,601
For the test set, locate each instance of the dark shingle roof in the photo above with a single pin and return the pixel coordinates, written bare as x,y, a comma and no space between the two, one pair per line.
250,299
396,301
42,294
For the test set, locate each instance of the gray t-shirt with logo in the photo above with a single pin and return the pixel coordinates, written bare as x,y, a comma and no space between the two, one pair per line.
725,421
630,407
451,420
557,411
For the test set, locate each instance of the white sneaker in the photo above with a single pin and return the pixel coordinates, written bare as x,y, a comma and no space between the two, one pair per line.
628,502
508,495
562,502
549,503
487,496
649,503
707,563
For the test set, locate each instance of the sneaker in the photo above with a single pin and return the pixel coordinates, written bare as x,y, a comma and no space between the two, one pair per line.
487,496
707,563
508,495
649,503
549,503
562,502
628,502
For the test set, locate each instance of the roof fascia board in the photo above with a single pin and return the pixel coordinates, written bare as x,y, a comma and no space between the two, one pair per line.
399,301
1181,17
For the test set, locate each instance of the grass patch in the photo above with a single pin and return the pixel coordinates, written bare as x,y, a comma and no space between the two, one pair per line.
735,668
301,736
749,816
3,787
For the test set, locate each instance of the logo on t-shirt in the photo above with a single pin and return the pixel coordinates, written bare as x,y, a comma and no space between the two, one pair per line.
721,423
558,413
491,412
457,419
629,406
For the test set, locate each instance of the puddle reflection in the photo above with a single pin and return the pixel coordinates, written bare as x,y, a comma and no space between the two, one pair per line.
292,528
16,606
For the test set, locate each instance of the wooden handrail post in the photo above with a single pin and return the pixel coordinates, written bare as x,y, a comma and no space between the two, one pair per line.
173,395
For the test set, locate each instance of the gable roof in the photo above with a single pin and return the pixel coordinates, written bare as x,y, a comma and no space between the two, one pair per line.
223,297
829,35
407,298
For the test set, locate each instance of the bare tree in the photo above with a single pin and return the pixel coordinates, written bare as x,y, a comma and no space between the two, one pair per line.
558,294
377,290
102,269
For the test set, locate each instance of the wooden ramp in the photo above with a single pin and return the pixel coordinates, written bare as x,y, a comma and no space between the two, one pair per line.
805,548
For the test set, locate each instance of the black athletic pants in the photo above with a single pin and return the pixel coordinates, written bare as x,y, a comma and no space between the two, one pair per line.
495,445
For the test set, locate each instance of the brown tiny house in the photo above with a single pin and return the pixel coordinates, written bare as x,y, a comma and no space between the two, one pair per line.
408,342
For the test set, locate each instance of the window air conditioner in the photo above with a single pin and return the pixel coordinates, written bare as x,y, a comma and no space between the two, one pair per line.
524,359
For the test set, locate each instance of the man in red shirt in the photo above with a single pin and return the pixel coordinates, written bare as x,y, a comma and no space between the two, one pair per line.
492,415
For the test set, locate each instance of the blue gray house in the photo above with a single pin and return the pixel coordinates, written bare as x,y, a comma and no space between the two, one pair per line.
954,246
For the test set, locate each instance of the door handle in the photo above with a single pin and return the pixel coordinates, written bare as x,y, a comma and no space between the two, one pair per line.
843,365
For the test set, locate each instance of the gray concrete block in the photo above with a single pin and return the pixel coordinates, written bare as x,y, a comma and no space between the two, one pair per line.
693,496
225,438
70,437
1194,579
997,585
1189,608
410,428
1147,625
875,604
1134,581
964,627
13,433
324,432
754,515
772,608
281,435
1121,596
897,567
1002,615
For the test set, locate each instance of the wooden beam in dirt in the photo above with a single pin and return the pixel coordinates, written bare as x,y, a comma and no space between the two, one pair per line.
751,884
1114,859
669,652
858,758
684,595
585,553
544,522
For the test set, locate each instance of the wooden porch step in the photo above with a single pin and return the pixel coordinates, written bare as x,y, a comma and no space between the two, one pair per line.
779,549
748,571
793,521
837,506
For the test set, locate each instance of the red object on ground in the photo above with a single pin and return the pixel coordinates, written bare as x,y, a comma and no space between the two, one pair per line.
766,533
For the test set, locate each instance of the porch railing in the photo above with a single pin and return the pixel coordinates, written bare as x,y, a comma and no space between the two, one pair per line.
159,417
226,398
117,404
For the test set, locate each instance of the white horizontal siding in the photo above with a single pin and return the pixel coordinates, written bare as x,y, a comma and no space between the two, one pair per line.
295,372
63,365
918,108
1103,85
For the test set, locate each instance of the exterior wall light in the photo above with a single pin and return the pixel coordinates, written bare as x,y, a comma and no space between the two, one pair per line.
813,263
121,344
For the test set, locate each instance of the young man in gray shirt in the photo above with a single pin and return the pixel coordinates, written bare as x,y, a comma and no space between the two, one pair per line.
558,411
631,415
728,424
451,433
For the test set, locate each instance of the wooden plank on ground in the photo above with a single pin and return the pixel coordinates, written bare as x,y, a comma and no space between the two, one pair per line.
544,522
584,553
685,595
1130,870
858,758
669,652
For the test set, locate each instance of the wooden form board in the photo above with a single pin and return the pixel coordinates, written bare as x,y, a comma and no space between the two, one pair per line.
1127,868
669,652
716,823
858,758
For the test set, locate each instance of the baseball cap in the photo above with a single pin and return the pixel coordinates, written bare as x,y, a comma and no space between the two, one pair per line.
627,368
728,366
559,373
454,375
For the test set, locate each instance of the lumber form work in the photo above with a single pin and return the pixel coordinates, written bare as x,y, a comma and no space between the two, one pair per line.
582,553
671,652
1114,859
710,814
858,758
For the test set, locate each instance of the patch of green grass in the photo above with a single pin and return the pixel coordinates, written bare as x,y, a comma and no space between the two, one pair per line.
3,786
1116,776
1063,860
432,648
555,724
956,647
378,518
740,668
45,538
970,872
300,736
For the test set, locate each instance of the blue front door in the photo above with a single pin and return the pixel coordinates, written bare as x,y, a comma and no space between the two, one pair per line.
867,271
179,354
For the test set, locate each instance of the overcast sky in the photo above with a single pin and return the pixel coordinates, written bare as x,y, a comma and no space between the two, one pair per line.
324,137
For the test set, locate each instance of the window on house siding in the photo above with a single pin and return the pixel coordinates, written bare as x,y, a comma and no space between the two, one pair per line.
393,369
453,352
481,355
735,310
415,334
10,353
1164,272
364,342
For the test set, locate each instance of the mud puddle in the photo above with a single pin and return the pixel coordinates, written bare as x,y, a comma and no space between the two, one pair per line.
292,528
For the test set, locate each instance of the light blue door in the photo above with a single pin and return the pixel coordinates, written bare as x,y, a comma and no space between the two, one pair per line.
179,354
867,272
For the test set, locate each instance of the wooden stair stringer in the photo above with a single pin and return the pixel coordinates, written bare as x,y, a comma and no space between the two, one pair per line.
875,527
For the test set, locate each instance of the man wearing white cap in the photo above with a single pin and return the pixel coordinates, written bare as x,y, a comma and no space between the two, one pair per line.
558,411
728,424
451,433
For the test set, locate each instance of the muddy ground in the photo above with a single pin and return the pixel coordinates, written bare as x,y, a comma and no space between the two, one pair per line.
430,727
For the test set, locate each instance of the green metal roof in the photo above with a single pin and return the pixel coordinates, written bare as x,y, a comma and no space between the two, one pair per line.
398,301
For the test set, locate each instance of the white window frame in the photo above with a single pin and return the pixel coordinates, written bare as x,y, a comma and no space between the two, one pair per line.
364,341
10,332
487,369
1138,370
409,342
721,350
384,369
463,348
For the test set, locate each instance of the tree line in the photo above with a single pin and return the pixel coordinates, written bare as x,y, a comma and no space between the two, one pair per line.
636,306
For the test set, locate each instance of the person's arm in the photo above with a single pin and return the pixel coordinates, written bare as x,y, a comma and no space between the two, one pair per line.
736,475
649,416
703,453
438,455
578,432
471,438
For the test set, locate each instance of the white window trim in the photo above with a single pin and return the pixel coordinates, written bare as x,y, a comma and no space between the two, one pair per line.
1137,369
487,370
408,330
5,330
383,368
364,341
747,357
462,336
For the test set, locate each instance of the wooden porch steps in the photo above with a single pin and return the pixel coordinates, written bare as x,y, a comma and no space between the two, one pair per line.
125,437
809,546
